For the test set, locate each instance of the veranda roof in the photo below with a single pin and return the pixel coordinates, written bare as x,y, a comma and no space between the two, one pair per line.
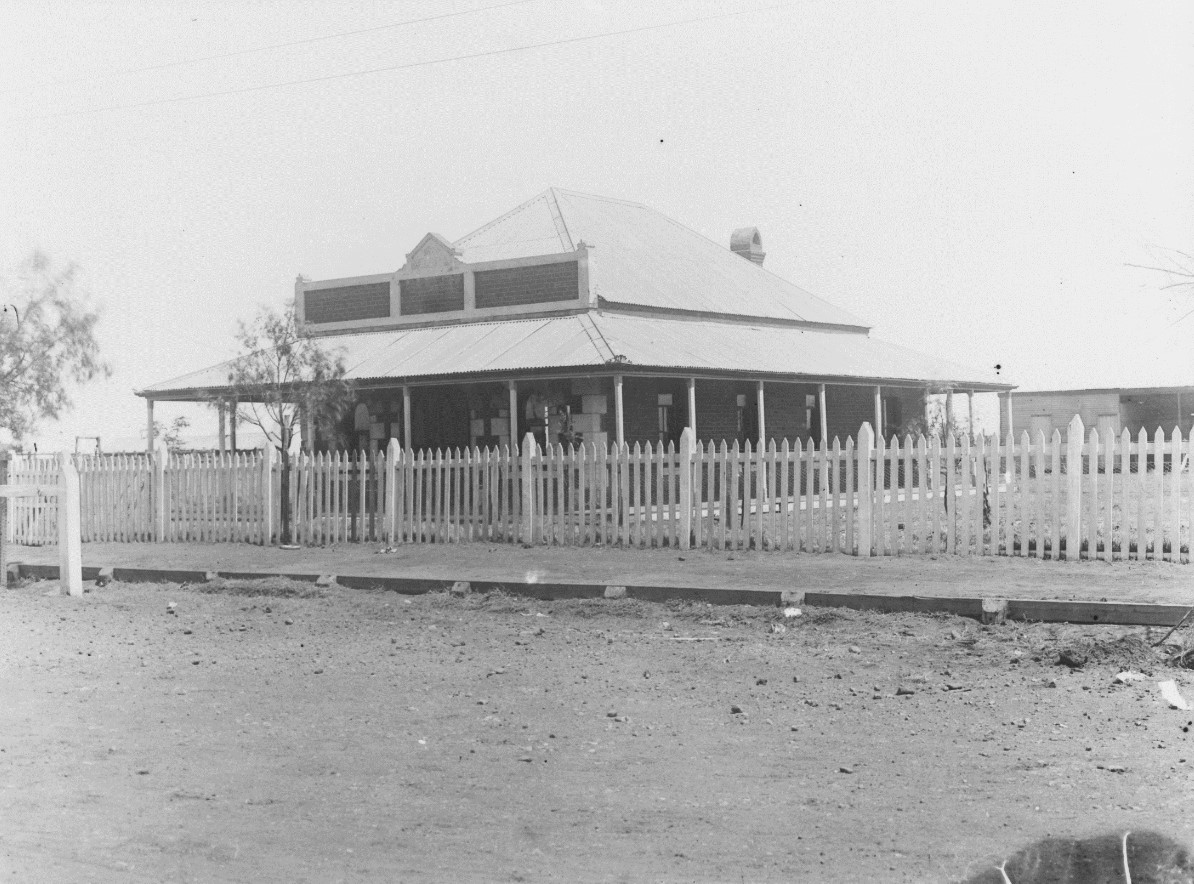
618,343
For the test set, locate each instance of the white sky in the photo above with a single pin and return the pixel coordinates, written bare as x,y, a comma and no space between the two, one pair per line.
972,178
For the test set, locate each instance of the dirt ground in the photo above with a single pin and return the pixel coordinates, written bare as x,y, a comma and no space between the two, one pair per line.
284,732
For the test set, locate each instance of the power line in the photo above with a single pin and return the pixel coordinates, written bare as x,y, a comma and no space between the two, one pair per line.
237,52
401,67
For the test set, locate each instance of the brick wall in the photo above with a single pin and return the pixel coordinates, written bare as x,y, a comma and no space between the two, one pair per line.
784,405
640,409
848,408
344,303
432,294
528,285
717,410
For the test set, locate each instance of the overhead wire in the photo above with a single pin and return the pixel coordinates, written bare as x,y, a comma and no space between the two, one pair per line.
255,49
489,53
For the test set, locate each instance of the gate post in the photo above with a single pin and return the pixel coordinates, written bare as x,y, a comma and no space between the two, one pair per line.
528,488
70,548
267,494
1075,439
865,453
3,521
687,440
393,456
159,457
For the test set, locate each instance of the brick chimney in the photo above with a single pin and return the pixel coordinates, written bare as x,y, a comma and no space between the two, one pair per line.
745,241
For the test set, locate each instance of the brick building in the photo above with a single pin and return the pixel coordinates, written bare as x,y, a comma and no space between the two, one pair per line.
600,320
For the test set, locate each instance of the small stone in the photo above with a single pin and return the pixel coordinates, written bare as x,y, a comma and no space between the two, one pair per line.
665,626
186,632
854,649
902,691
736,710
525,758
1072,658
760,681
268,609
319,672
194,662
142,771
288,622
461,588
611,714
845,769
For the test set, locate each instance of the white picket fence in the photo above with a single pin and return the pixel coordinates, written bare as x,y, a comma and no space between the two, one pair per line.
1115,499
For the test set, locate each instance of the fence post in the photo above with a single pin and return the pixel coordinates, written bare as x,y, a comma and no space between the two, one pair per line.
866,491
393,459
687,441
1075,437
3,521
529,446
267,494
70,548
160,455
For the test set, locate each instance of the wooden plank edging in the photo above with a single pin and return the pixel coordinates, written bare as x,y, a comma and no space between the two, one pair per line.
1038,610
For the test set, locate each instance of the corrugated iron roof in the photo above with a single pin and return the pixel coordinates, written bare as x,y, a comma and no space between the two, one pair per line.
608,340
643,258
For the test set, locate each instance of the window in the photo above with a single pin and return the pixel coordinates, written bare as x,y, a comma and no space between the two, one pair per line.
665,415
810,409
741,414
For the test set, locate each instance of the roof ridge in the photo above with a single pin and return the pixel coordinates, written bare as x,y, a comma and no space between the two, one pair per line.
602,197
521,207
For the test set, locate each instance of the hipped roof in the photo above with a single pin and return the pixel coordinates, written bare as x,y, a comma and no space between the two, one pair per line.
646,260
618,343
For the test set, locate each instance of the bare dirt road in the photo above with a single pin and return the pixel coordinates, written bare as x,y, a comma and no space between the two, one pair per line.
294,733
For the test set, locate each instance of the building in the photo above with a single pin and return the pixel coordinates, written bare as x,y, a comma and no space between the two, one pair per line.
1110,409
580,317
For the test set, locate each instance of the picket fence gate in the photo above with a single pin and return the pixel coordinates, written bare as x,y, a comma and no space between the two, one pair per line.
1115,499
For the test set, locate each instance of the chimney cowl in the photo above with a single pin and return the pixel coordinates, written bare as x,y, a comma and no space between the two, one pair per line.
745,241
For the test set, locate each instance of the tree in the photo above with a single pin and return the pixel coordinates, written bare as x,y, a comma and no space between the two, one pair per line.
1178,266
47,341
171,435
281,378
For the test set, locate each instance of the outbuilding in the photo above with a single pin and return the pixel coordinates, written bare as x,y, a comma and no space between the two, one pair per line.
1111,409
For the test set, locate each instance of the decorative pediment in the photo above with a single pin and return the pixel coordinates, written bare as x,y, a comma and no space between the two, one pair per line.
433,254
